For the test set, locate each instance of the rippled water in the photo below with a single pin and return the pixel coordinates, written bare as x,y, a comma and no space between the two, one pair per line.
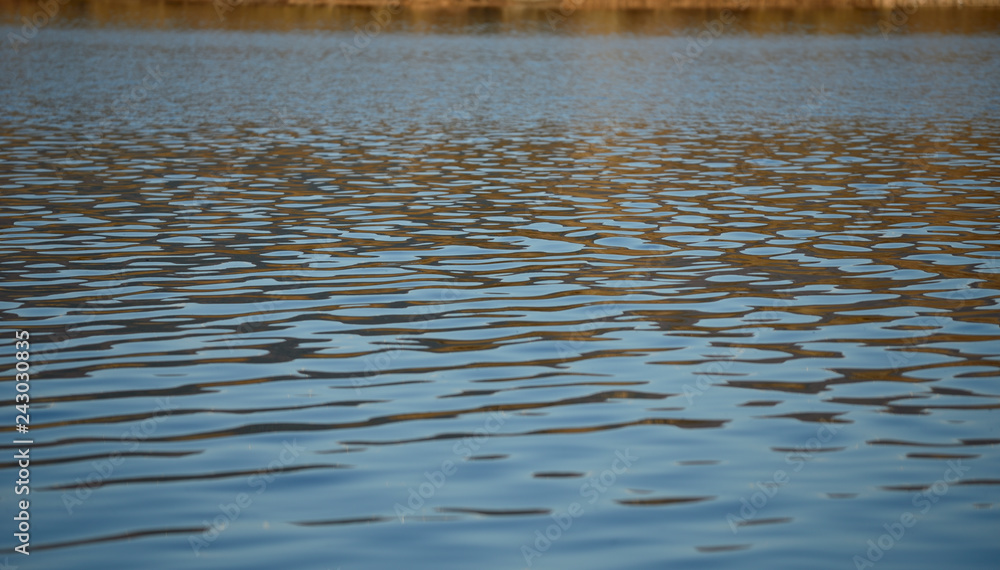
420,306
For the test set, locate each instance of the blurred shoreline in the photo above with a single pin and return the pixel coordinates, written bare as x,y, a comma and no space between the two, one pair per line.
887,18
907,6
639,4
572,5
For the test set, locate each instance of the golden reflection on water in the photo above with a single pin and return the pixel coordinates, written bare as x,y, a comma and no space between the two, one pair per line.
638,236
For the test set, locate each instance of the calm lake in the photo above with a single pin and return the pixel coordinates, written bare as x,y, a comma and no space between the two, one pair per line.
501,289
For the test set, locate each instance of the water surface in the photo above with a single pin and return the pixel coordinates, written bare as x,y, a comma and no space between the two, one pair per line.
420,306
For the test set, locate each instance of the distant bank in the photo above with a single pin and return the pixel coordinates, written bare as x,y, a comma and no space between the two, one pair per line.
906,5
